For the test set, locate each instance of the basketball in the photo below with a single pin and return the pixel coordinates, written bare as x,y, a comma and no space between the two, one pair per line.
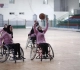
42,16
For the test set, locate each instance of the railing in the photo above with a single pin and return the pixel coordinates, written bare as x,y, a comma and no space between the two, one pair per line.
25,23
63,17
52,23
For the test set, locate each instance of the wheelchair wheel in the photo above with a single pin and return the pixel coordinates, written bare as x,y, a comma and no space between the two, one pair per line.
4,53
22,53
50,52
29,42
12,53
33,52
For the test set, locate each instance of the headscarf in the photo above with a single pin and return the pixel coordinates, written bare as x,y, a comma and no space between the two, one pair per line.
39,30
32,30
8,30
5,29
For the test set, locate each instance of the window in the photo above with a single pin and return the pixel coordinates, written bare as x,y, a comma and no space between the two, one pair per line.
11,13
21,13
11,1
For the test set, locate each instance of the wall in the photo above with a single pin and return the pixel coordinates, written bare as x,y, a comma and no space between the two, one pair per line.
29,7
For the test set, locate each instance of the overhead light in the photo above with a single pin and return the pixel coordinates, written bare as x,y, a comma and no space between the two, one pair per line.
72,11
45,1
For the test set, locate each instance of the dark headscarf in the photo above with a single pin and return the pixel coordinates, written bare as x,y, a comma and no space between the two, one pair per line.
37,23
8,30
40,30
32,30
5,29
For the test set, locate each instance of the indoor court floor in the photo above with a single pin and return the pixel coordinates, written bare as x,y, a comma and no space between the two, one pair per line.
66,46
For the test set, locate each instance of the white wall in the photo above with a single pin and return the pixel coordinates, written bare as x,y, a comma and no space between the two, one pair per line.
39,7
29,7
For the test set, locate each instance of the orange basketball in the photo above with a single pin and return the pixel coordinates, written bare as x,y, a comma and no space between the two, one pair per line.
42,16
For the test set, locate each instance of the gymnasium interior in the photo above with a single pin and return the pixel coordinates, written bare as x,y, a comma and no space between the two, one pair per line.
63,32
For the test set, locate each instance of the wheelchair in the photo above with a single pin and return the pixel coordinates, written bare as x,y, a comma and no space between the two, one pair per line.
6,53
29,43
36,52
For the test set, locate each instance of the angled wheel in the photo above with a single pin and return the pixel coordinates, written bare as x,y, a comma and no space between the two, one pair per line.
33,52
4,53
29,42
22,53
50,52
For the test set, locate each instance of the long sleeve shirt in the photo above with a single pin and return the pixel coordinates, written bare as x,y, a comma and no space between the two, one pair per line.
1,31
40,36
6,38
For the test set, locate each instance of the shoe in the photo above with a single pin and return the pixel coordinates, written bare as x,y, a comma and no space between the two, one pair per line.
18,58
14,57
23,58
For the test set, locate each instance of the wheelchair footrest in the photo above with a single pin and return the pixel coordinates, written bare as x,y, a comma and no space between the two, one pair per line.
16,58
43,57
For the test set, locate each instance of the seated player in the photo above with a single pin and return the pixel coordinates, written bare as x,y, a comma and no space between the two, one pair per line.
6,37
32,34
41,38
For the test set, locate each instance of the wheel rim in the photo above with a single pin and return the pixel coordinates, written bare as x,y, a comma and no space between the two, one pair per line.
22,52
29,44
4,54
33,53
51,52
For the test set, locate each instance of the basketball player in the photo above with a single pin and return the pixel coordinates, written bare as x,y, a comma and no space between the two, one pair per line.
41,38
6,38
32,34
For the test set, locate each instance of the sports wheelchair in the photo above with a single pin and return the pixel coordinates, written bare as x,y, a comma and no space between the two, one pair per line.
6,53
29,42
36,52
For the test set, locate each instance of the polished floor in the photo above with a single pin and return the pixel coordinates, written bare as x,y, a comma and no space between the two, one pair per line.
66,46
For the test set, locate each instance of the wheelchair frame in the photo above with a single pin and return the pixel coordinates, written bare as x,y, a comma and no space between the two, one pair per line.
5,52
36,52
29,43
